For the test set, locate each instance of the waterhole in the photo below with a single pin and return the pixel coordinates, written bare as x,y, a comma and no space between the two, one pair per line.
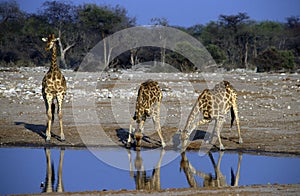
35,170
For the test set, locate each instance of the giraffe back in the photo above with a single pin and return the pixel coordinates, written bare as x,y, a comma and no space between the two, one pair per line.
149,94
217,101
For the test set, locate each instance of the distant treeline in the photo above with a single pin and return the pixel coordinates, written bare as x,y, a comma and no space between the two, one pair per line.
234,41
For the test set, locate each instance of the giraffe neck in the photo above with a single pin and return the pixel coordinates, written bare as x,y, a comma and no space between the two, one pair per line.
53,61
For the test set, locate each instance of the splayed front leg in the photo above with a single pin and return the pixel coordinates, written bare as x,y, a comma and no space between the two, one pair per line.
221,147
220,122
129,140
156,122
240,140
235,111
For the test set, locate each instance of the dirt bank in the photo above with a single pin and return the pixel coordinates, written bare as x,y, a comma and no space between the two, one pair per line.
269,109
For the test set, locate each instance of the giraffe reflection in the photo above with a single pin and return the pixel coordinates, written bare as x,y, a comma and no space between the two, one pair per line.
142,181
219,180
50,179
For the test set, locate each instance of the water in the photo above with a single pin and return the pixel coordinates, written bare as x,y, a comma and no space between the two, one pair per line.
24,170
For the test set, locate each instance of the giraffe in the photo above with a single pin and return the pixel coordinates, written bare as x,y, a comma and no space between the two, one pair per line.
147,104
53,86
214,104
142,181
218,180
49,183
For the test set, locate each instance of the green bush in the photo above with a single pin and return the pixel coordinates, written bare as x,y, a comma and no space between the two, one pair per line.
288,60
274,60
217,53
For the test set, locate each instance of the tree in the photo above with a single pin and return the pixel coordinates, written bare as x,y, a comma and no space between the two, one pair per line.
232,26
11,22
217,53
288,60
293,36
293,22
233,21
211,34
104,21
184,47
9,10
62,17
270,33
195,30
273,60
160,23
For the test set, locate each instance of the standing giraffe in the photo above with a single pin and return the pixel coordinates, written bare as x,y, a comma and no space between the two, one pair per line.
214,104
147,104
53,86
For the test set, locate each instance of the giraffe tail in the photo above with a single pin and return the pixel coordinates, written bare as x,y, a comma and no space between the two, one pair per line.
232,116
52,110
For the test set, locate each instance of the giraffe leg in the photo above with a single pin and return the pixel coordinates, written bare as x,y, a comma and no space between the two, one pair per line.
202,122
139,133
213,132
59,101
190,126
235,110
186,133
220,122
130,132
156,122
48,101
197,124
157,127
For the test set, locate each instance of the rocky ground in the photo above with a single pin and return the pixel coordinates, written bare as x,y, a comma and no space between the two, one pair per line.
98,108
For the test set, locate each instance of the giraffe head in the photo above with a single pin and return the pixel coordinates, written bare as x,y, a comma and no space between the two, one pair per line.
51,39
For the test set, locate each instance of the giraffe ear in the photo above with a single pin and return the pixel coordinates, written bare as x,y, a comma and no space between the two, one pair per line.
44,39
56,39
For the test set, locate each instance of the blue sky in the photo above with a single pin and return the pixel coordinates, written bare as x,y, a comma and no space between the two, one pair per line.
190,12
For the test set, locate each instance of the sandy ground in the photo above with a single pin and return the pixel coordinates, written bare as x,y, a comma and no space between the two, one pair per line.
98,108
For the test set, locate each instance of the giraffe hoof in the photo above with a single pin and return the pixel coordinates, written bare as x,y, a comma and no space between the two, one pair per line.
222,147
240,141
47,139
62,139
128,144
